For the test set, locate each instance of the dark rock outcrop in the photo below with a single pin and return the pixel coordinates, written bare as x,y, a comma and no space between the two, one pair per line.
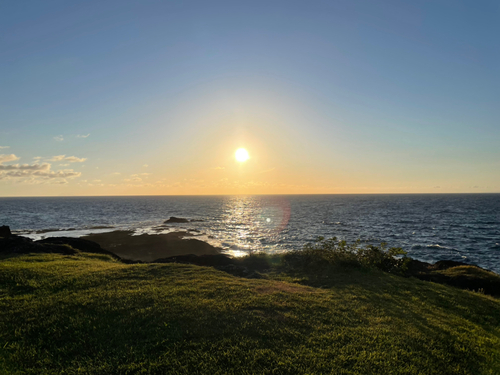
14,244
174,219
5,231
22,245
445,264
457,274
148,247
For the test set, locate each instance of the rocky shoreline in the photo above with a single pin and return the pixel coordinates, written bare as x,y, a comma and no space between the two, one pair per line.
149,247
174,248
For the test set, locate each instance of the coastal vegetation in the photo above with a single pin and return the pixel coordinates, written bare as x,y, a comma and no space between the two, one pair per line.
322,310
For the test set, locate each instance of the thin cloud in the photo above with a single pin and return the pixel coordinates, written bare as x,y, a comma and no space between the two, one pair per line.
33,173
57,158
74,159
25,167
4,147
58,174
7,158
71,159
82,135
59,138
145,165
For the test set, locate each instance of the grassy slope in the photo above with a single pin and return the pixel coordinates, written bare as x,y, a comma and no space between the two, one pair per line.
91,314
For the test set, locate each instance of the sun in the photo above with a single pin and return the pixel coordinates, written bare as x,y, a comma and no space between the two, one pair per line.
241,155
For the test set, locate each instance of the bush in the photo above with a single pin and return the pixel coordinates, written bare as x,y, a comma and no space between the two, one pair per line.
327,253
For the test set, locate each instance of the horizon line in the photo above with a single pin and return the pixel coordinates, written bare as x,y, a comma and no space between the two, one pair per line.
226,195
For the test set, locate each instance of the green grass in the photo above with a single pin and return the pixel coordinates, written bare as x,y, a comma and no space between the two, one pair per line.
91,314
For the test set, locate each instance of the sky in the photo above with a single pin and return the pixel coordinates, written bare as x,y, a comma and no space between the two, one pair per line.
328,97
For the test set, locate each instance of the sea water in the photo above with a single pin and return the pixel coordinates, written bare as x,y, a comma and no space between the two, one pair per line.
430,227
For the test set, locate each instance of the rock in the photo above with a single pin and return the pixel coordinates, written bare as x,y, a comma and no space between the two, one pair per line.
457,274
150,247
22,245
174,219
445,264
5,231
416,267
16,244
62,245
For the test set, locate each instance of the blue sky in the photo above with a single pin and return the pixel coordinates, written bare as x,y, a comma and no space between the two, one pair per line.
328,97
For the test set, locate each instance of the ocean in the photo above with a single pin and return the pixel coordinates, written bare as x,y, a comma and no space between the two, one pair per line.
430,227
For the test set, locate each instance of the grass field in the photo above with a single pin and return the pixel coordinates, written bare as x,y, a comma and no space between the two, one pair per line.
91,314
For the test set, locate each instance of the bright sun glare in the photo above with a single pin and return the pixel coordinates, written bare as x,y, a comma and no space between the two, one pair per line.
241,155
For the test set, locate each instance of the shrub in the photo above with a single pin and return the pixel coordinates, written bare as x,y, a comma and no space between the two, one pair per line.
327,253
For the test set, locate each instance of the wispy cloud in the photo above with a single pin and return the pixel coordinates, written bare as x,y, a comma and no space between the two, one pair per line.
59,138
25,167
34,170
4,147
145,165
7,158
57,158
31,173
82,135
71,159
74,159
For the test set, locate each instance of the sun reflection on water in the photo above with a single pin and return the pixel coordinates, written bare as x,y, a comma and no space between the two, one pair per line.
254,219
